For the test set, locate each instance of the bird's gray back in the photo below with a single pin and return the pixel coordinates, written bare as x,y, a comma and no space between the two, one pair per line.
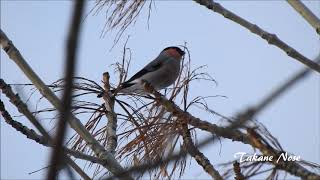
165,75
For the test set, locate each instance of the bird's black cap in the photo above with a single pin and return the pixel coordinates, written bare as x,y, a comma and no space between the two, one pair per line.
176,48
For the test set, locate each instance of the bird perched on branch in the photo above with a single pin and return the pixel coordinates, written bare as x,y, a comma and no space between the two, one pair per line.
160,73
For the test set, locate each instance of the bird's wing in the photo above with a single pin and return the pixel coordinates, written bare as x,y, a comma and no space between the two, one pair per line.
152,66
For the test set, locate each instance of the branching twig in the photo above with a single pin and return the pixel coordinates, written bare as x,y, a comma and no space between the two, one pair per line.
31,134
228,132
111,163
304,11
22,108
270,38
181,115
149,166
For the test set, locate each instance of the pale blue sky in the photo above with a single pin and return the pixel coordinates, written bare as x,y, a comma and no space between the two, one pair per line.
245,66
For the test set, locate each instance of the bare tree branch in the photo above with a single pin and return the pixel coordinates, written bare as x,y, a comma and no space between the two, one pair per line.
184,116
270,38
70,63
201,159
228,132
149,166
22,108
305,12
289,166
31,134
111,163
111,115
254,110
237,171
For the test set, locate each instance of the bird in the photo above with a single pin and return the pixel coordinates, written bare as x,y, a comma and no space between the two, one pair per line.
159,73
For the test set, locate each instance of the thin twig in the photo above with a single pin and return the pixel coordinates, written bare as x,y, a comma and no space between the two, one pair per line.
270,38
140,169
31,134
305,12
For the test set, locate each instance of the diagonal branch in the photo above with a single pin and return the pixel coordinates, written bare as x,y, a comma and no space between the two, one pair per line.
270,38
201,159
22,108
271,97
305,12
289,166
161,161
171,107
111,163
31,134
228,132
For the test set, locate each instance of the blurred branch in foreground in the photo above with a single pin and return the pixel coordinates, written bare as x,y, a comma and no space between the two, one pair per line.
253,111
71,47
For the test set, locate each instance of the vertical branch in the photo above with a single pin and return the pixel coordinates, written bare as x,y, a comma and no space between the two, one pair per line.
312,19
237,171
111,115
71,52
201,159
